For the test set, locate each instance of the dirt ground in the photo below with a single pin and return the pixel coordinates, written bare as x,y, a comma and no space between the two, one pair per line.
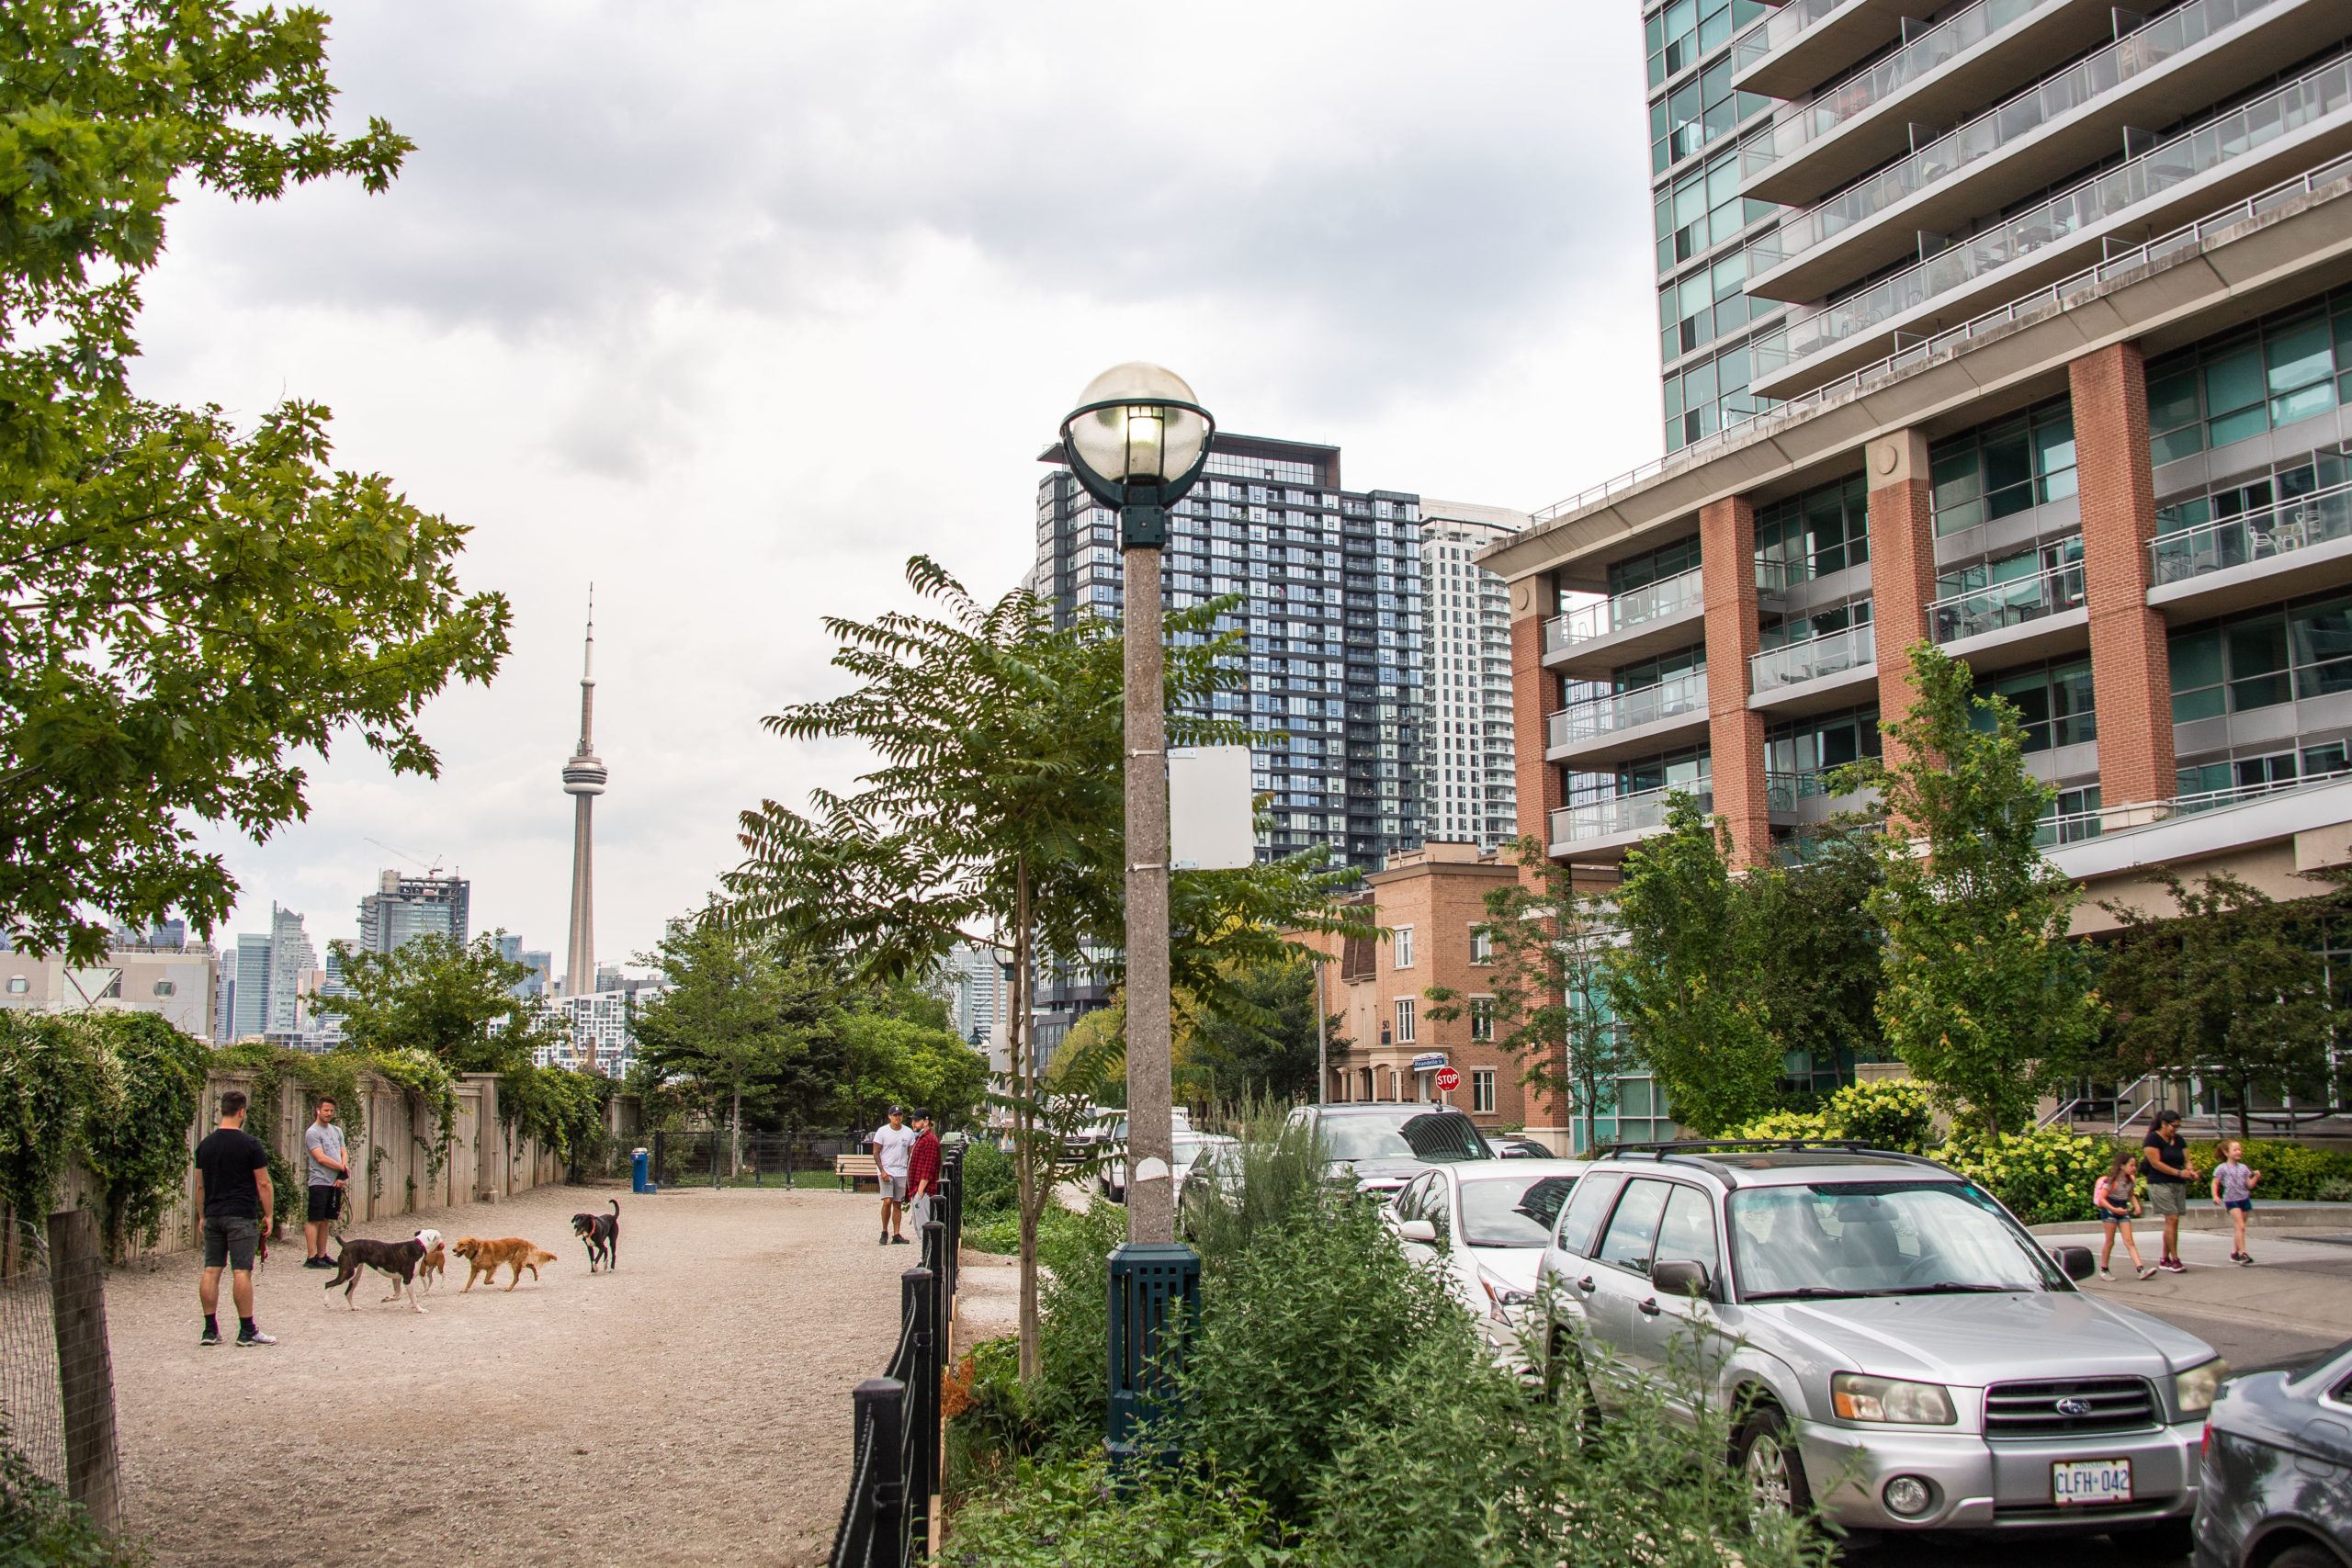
691,1407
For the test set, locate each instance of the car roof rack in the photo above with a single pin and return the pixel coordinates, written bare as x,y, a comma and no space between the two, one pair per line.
1692,1151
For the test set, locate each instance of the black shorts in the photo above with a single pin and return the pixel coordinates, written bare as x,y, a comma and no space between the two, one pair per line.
228,1242
326,1202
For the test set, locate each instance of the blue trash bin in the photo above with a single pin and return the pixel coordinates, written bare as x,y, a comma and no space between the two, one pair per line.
640,1177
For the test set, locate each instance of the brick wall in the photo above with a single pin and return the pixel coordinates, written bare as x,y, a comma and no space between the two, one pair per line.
1533,691
1903,563
2130,664
1734,731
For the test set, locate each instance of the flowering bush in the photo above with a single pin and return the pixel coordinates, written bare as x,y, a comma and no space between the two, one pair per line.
2044,1177
1889,1115
2290,1171
1784,1124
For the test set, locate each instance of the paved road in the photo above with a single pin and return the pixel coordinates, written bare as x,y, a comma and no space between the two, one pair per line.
2295,1299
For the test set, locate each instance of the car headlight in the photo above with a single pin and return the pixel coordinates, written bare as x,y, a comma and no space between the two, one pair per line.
2195,1388
1859,1398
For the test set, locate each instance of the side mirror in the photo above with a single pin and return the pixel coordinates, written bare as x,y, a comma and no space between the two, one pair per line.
1421,1231
1682,1277
2077,1261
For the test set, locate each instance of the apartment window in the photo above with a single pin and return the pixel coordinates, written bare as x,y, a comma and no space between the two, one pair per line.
1807,747
2053,703
166,987
2289,481
2285,367
1404,947
1705,107
2262,660
18,985
1812,535
1482,947
1653,566
1404,1021
1482,1018
1780,632
2274,770
1482,1091
2003,467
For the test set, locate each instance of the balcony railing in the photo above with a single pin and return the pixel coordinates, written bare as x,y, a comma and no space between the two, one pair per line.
2274,530
2010,604
2096,74
1621,814
1782,791
1853,649
1778,32
1651,601
1797,124
2314,97
1627,710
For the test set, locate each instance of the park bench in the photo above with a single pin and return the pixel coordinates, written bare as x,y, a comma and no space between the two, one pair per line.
850,1170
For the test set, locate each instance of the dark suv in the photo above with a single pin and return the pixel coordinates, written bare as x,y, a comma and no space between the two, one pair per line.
1383,1144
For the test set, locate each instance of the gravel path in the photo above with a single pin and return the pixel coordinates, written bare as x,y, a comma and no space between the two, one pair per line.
693,1407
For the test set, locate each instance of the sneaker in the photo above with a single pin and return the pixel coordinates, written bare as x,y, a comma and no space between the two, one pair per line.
901,1241
2244,1258
319,1262
2173,1266
2105,1276
256,1338
209,1338
2147,1270
886,1239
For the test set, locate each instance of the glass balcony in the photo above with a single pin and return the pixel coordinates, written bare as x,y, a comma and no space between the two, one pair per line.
2324,92
1800,123
2274,530
2010,604
1778,32
1651,601
1627,710
1621,814
1854,648
2096,74
1782,791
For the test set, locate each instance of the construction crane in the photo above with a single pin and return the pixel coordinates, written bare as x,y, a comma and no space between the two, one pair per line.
433,870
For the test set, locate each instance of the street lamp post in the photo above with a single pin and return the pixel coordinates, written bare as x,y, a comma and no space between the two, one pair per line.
1137,442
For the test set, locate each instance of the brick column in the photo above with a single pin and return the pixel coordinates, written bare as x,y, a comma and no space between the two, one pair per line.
2130,662
1533,694
1734,730
1903,563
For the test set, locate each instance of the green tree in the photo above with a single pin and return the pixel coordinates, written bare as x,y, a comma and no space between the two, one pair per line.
1819,948
889,1060
1688,981
1257,1040
994,818
1548,944
184,606
2230,989
1987,1000
452,1000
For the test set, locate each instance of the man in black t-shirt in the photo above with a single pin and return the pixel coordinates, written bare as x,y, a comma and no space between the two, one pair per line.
234,1194
2163,1160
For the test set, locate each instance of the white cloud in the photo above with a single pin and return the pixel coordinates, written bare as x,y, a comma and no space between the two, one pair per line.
731,307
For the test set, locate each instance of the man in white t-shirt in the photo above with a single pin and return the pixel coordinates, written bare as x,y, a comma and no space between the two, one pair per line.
892,1147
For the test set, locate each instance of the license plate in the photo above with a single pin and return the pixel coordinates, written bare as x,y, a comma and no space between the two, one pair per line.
2090,1481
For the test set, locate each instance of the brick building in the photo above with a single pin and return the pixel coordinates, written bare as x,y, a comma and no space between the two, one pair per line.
1428,899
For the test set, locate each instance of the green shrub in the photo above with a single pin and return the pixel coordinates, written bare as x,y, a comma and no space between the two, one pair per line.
1070,1515
1889,1115
2291,1172
992,1187
2044,1177
1069,1402
1785,1124
2337,1189
40,1527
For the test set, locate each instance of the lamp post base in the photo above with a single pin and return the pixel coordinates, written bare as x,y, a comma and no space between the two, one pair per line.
1155,1299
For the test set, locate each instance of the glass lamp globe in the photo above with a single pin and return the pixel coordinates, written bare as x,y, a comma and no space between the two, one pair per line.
1141,439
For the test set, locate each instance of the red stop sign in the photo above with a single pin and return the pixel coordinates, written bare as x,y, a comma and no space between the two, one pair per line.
1448,1080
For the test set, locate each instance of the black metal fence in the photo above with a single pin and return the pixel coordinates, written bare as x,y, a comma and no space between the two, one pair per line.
894,1480
722,1158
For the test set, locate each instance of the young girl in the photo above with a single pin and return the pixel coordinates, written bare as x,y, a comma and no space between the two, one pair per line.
2234,1184
2117,1198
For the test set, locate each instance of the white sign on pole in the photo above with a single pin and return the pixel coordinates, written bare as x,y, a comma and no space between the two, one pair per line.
1209,822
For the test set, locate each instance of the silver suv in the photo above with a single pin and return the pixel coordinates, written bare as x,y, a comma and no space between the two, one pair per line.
1908,1356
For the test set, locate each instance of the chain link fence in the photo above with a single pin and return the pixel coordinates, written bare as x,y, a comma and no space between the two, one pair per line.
31,1403
56,1371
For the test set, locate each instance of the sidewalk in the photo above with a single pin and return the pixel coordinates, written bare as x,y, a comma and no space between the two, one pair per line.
2296,1297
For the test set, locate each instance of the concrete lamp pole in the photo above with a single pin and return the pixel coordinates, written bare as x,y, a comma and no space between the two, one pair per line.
1137,442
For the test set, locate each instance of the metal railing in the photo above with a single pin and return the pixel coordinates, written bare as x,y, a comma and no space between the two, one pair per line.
2093,76
1903,360
1621,814
2315,95
1779,31
2010,604
1637,606
1798,123
2273,531
1626,710
1799,661
896,1470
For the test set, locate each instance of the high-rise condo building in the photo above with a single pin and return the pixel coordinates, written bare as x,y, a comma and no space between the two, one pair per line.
249,1014
1331,613
291,961
403,908
2025,331
1473,780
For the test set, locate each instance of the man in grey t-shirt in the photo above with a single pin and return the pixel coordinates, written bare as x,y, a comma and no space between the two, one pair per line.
330,1167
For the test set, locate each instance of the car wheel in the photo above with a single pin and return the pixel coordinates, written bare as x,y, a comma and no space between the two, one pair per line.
1766,1453
1566,1376
2304,1557
2177,1538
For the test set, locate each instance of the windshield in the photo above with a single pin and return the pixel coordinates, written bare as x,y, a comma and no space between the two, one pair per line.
1189,1150
1512,1213
1850,1238
1442,1137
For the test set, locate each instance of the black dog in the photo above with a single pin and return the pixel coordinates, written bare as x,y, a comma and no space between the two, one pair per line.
396,1259
603,1234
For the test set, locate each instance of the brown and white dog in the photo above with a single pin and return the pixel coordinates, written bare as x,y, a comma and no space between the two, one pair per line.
482,1258
429,1266
397,1258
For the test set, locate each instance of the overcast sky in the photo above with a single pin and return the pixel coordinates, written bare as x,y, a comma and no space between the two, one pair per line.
731,307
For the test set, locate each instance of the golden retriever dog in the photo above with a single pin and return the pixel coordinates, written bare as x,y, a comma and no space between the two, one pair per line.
482,1258
429,1266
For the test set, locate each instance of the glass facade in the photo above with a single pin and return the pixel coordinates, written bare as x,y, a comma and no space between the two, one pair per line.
2053,701
2286,367
2003,467
2262,659
1812,535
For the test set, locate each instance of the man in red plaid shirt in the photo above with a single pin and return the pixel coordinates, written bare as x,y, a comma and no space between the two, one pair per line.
922,1171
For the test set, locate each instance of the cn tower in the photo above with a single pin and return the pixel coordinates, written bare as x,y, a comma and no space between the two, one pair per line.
583,780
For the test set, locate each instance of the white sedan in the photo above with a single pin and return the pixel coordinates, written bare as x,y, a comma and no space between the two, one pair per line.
1484,1224
1189,1147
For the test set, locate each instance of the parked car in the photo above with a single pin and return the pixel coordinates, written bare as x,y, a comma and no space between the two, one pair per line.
1386,1144
1188,1145
1485,1225
1521,1148
1909,1358
2277,1470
